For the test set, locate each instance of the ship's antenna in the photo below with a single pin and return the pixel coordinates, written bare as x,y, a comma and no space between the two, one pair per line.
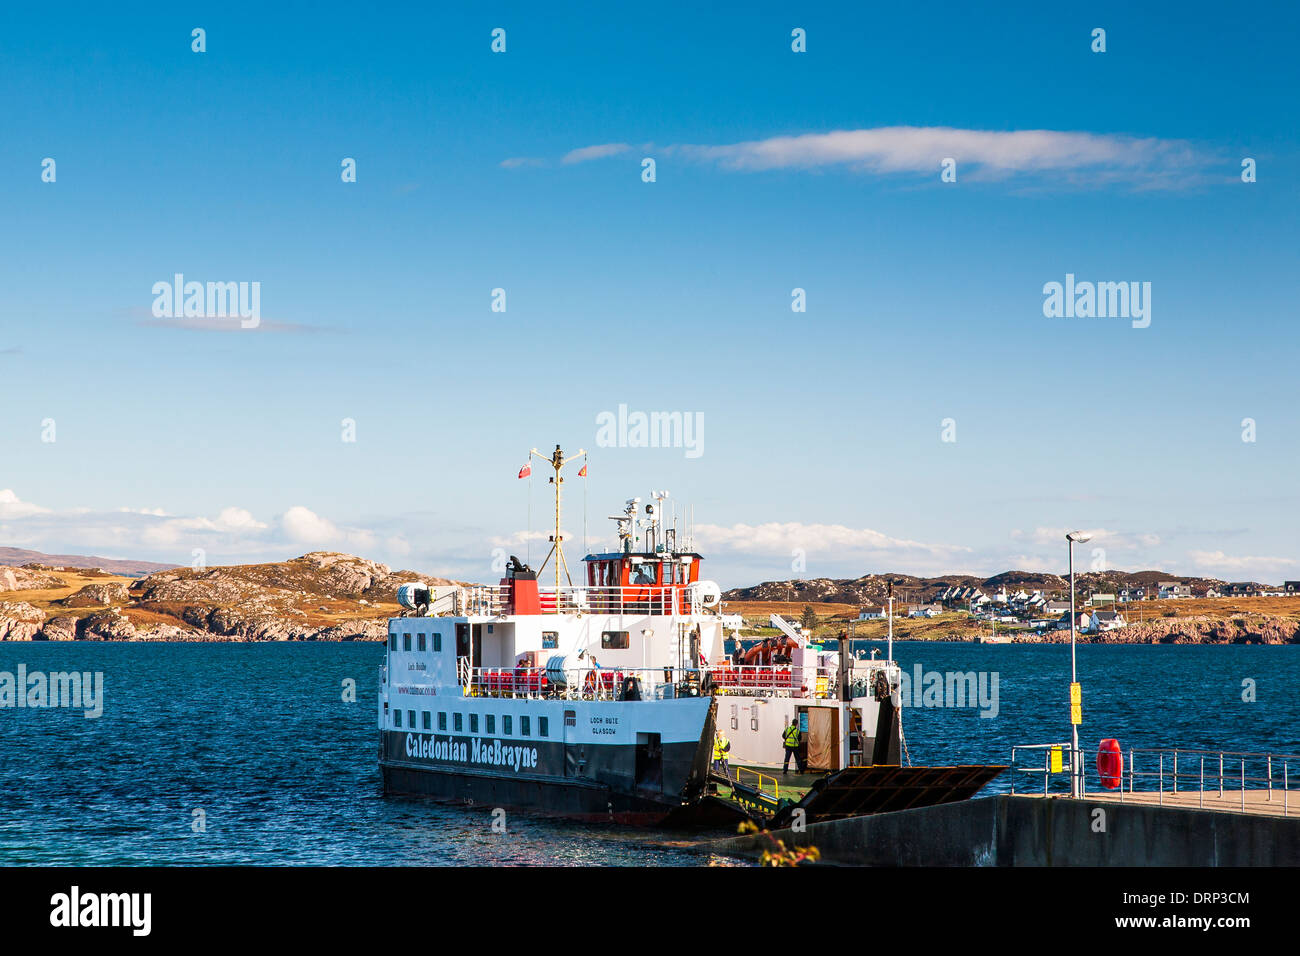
558,461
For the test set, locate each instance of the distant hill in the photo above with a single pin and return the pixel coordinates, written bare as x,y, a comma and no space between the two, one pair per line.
871,588
17,557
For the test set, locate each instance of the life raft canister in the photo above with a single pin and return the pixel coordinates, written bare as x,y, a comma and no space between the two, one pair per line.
1110,763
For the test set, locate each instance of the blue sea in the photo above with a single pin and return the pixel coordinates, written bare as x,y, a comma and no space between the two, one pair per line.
249,753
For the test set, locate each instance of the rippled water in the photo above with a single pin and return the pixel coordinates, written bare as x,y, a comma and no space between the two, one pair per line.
259,739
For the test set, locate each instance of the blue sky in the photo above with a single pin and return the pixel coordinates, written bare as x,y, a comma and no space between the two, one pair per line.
775,170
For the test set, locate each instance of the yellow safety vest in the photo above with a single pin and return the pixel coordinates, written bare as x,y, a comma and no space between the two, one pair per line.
720,748
792,737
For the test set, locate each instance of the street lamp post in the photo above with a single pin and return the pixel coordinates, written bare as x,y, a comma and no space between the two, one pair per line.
1076,767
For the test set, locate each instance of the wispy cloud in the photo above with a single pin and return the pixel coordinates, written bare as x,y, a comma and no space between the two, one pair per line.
1069,158
234,533
588,153
1268,569
516,162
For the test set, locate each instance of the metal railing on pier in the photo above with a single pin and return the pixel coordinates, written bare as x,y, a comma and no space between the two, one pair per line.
1252,778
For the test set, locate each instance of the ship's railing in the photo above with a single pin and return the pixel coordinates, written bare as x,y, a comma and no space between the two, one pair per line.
761,680
486,600
582,683
761,781
1249,775
491,600
665,600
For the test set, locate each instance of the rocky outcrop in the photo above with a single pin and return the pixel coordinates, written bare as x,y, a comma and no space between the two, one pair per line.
28,579
61,628
20,621
99,595
110,625
321,596
1252,629
354,631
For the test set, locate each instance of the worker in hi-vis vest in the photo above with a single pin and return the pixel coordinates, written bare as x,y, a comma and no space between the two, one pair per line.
721,748
790,738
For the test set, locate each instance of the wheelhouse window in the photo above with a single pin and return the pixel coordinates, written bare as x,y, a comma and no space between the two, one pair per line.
437,642
505,725
643,574
397,718
419,642
442,721
458,722
525,728
392,641
473,723
490,723
615,640
427,718
406,642
543,726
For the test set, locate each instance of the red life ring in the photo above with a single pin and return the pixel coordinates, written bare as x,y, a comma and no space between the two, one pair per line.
1110,763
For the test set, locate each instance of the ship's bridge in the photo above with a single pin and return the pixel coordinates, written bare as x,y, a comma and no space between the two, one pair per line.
654,579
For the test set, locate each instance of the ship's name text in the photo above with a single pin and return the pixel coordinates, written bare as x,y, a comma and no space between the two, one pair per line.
490,753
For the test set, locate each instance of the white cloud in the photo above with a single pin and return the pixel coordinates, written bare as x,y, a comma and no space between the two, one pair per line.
12,507
588,153
306,527
1071,158
1100,537
829,544
1218,564
153,534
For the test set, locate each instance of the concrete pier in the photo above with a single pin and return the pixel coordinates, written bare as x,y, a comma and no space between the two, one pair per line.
1010,830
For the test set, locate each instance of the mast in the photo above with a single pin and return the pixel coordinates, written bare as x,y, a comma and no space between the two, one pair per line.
557,461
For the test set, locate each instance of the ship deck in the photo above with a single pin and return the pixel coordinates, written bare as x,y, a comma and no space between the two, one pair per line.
790,786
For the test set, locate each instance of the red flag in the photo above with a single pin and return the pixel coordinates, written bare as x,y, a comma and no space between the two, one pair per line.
527,470
582,472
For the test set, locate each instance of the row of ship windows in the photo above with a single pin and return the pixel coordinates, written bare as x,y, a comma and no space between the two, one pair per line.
489,723
419,642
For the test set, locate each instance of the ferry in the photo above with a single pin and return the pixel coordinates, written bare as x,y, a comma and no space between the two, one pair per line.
601,699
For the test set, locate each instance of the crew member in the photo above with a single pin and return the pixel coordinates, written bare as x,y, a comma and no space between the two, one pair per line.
790,739
721,748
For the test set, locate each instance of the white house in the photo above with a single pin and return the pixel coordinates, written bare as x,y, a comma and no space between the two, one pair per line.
1103,621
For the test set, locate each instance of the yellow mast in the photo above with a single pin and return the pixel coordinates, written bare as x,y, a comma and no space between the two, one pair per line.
557,461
